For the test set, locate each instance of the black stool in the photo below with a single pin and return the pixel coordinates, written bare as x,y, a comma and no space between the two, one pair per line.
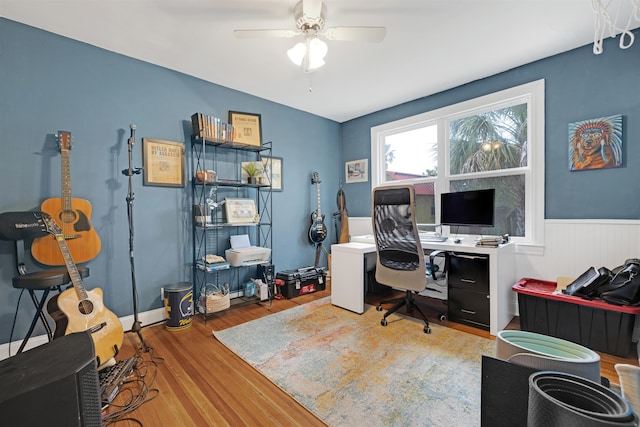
19,226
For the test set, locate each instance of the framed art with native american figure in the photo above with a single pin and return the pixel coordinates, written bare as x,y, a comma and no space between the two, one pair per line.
595,143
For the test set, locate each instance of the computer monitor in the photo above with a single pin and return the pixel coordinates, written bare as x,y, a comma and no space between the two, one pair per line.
468,208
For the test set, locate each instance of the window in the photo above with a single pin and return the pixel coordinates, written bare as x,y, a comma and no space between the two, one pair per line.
495,141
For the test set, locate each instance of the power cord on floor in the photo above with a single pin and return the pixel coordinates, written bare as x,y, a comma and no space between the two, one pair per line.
135,391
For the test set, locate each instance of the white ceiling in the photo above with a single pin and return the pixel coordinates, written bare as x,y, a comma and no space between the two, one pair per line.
431,45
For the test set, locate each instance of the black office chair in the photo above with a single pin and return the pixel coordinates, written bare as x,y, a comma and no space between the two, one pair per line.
400,259
26,226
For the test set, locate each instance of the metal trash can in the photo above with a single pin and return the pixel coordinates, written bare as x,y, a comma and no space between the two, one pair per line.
178,305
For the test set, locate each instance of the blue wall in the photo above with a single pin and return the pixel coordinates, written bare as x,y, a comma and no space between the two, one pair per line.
50,83
578,86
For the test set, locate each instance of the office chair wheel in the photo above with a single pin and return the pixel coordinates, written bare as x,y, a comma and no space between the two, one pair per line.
379,307
427,330
442,317
383,322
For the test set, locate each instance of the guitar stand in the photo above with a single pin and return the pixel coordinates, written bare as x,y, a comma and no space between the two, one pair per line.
318,252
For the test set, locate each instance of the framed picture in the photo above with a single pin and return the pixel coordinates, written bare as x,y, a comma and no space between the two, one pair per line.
163,163
595,143
241,211
356,171
272,167
247,128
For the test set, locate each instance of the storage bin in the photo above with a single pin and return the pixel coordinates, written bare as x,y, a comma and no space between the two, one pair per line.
306,280
594,324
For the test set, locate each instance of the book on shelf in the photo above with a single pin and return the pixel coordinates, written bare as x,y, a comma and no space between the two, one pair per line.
197,124
212,266
210,127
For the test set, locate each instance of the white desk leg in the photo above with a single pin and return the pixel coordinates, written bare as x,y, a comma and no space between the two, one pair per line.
347,279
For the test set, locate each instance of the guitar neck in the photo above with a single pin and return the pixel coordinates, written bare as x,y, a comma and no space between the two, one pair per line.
318,191
64,144
76,279
66,180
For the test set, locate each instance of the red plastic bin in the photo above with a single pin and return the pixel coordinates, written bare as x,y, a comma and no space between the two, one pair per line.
597,325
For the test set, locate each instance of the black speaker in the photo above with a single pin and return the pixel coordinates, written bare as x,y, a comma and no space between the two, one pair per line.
55,384
504,393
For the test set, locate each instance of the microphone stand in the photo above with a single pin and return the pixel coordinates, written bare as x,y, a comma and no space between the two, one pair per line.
137,326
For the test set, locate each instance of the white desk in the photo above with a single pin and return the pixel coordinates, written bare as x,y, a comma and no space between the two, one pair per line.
348,271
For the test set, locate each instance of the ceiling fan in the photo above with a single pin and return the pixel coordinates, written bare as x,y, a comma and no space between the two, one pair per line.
309,18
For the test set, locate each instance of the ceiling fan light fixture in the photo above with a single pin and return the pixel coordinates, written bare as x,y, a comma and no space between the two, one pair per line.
310,53
296,53
310,19
317,51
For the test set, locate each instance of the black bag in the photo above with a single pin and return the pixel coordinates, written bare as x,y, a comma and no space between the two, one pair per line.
624,288
589,282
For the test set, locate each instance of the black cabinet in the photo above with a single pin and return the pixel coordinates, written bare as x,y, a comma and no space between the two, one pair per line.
468,283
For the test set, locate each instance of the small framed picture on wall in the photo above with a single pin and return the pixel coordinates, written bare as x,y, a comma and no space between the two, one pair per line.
163,163
595,143
273,172
356,171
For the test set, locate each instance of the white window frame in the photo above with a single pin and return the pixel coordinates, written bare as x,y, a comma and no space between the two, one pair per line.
531,93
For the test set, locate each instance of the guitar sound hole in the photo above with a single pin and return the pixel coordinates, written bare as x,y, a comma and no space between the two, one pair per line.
85,307
68,217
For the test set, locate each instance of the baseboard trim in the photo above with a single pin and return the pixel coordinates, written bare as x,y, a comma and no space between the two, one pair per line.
147,318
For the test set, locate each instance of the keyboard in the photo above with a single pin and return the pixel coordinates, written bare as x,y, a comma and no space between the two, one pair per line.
432,238
113,376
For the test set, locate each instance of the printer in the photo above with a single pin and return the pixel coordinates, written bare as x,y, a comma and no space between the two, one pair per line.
242,253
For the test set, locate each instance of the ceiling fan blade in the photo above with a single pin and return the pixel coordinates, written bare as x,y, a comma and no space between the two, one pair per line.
357,34
312,8
250,34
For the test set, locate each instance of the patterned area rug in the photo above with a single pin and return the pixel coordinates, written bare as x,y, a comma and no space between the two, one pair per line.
350,371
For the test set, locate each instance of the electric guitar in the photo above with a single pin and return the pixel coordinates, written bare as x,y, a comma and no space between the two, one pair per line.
317,231
78,310
72,215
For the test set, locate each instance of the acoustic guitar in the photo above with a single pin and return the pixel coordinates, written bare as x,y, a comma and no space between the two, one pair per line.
317,231
72,215
78,310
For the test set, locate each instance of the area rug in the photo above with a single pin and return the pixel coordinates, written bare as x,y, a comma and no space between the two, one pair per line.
350,371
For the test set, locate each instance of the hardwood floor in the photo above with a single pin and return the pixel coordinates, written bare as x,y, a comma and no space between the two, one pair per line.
199,382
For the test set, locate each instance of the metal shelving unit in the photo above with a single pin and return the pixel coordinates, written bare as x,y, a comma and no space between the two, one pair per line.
213,238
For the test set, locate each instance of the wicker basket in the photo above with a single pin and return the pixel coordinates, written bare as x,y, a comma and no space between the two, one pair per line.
216,299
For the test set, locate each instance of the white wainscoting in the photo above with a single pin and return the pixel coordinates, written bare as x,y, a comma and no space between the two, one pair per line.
572,246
